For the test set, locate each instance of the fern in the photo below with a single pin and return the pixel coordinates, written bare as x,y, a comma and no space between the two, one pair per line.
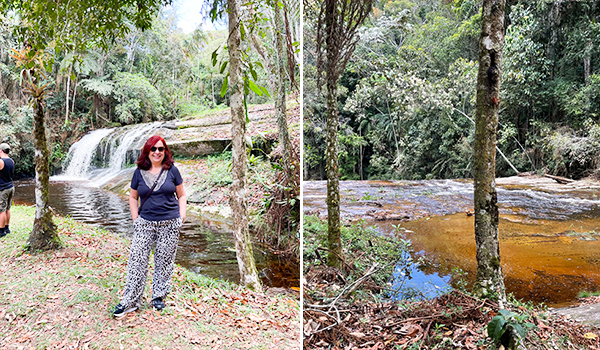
98,85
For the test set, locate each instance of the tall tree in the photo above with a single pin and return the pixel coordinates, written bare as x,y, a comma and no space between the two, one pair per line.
284,137
64,26
243,244
337,25
489,281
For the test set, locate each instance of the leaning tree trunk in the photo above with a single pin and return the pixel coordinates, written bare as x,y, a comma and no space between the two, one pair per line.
67,96
243,245
44,235
489,281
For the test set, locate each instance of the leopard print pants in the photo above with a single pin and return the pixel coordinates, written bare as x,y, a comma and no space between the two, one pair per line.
145,233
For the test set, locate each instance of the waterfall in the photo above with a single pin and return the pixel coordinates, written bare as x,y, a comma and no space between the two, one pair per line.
103,154
81,152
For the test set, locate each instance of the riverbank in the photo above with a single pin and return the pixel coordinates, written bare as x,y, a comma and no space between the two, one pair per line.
548,231
63,299
360,306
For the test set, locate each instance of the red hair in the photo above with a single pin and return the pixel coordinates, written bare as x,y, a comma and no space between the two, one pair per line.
144,162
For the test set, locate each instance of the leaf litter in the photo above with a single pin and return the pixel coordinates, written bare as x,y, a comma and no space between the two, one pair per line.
63,300
452,321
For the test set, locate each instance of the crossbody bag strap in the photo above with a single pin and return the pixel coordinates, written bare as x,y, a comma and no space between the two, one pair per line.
150,192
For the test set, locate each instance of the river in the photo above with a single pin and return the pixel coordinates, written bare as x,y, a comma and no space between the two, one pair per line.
205,246
103,156
549,233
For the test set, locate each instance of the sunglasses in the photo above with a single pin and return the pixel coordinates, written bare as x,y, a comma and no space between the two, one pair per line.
160,149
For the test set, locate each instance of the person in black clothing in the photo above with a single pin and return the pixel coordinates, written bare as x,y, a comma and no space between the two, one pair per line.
158,219
7,189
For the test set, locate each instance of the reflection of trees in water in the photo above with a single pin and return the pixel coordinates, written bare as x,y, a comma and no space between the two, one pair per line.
205,247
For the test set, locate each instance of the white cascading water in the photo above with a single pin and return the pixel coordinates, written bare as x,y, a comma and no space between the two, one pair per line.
81,153
117,142
126,142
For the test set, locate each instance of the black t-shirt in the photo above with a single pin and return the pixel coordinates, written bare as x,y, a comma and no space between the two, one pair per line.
162,203
6,174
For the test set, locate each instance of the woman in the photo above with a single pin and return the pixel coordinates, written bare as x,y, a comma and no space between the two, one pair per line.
157,220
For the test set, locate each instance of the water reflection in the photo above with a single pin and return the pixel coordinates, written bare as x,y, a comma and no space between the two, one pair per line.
548,243
205,247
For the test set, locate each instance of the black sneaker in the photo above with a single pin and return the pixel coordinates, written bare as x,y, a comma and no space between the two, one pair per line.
6,230
158,304
120,310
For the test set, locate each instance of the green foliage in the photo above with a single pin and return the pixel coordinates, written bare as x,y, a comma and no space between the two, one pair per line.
219,171
17,128
76,26
98,85
572,152
526,70
506,321
584,103
138,99
363,246
586,294
411,91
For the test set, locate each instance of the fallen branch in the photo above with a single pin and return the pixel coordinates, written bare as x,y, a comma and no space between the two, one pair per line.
338,255
337,321
369,272
428,317
560,180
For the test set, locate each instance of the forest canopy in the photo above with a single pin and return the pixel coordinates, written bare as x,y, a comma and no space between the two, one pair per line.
407,96
151,73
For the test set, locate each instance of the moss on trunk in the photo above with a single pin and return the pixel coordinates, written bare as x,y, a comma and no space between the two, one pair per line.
44,235
284,136
333,183
489,281
243,244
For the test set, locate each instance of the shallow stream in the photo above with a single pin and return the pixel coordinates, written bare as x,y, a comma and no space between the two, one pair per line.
206,245
549,233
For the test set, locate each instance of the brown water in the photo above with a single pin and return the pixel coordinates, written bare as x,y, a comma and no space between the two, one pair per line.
548,246
206,246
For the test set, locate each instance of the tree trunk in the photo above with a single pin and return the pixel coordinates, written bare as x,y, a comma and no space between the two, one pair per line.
489,281
44,235
284,136
587,65
67,96
243,244
74,94
264,54
360,157
96,105
333,181
212,85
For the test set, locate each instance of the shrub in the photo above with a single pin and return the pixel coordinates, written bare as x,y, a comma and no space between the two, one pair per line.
138,100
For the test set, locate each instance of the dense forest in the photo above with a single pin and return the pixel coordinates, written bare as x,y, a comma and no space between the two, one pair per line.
407,96
153,75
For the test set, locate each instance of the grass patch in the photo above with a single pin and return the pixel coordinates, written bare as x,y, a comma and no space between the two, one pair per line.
586,294
362,246
191,111
64,298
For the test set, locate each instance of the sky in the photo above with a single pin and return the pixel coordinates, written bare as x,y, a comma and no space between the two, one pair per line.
189,15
